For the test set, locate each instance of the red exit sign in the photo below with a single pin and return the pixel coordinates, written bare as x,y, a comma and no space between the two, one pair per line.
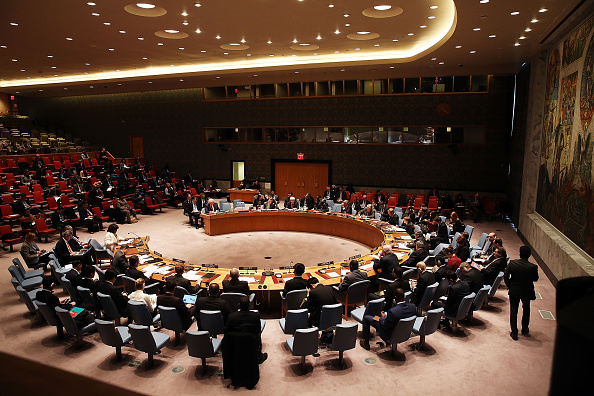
300,156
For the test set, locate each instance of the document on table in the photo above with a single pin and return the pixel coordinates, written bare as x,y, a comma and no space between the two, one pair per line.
343,271
192,275
248,279
400,255
367,267
406,238
150,269
333,274
144,258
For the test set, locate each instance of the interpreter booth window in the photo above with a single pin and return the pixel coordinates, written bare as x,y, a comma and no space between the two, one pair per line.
396,85
321,135
480,83
365,135
308,135
250,134
394,135
417,135
335,135
350,135
461,83
411,85
294,135
380,135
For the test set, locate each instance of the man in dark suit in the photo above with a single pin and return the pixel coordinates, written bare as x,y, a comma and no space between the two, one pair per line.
246,321
440,269
319,295
354,276
472,276
211,206
426,278
59,220
234,285
496,266
386,263
519,276
133,272
388,294
417,255
457,290
212,303
298,282
179,279
386,322
119,299
170,300
64,251
120,262
293,203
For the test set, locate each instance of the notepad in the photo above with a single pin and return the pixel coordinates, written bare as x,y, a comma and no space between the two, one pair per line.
248,279
192,276
367,267
333,274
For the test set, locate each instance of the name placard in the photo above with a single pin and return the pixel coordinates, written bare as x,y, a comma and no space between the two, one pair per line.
209,265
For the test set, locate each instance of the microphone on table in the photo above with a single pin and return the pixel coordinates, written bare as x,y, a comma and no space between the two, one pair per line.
138,236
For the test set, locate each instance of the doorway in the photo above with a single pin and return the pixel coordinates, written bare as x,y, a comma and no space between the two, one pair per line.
300,177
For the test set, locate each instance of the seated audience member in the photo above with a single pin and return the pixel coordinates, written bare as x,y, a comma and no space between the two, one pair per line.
86,279
126,211
462,249
111,237
476,207
388,294
368,211
426,278
498,264
234,285
213,302
355,275
139,295
419,254
386,263
292,204
170,300
440,269
31,252
457,290
95,196
387,321
298,282
20,205
92,221
318,296
453,260
59,220
179,279
246,321
391,217
47,297
119,298
28,221
64,251
211,206
457,225
472,276
408,226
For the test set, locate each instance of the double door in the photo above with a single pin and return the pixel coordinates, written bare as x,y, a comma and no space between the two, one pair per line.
300,178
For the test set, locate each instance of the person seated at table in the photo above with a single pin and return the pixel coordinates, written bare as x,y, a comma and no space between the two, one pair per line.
321,204
92,221
139,295
385,264
388,293
387,321
419,254
179,279
419,237
425,279
258,200
213,302
170,300
453,260
408,226
234,285
119,298
355,275
274,196
368,211
28,221
457,225
293,203
391,217
462,249
211,206
112,237
298,282
318,296
133,272
308,202
271,204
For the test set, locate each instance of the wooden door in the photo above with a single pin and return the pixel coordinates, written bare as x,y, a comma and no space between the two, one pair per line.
300,178
136,146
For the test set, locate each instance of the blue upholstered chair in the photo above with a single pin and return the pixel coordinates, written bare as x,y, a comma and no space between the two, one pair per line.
201,346
113,336
303,343
147,341
295,319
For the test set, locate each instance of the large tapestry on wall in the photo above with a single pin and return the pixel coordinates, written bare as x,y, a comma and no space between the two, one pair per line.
566,176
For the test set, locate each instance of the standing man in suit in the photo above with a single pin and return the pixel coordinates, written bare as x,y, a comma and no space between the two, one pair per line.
298,282
426,278
354,276
234,285
386,263
319,295
179,279
170,300
120,299
519,276
213,303
386,322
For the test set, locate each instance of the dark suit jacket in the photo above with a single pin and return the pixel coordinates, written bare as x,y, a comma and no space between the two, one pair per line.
121,301
475,280
135,273
463,252
62,252
391,290
244,322
169,300
351,278
388,323
427,278
185,283
236,286
386,264
294,205
456,293
440,273
415,257
207,208
120,262
519,277
211,303
318,296
491,271
297,283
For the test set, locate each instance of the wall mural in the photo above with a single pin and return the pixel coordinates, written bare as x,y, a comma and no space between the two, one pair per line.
566,184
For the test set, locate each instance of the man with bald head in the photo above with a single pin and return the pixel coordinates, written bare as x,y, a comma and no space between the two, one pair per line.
234,285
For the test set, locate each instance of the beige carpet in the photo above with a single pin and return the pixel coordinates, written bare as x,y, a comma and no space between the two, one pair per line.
480,359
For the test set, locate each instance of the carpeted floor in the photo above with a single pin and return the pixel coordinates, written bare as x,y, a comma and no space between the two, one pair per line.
479,359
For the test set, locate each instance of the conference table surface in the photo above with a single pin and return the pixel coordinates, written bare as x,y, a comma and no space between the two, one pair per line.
245,195
373,233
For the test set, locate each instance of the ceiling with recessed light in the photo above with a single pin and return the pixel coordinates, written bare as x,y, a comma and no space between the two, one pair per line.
74,47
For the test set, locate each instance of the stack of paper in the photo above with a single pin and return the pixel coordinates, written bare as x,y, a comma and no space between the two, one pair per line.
192,275
150,270
333,274
248,279
367,267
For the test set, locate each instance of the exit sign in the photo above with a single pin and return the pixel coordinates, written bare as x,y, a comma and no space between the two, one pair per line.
300,156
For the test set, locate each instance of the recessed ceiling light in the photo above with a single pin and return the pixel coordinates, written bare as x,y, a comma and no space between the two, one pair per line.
172,31
441,63
15,60
376,45
382,7
295,41
119,84
543,10
395,40
3,46
145,58
341,69
145,5
411,34
185,23
484,1
198,31
41,90
184,13
514,13
331,5
218,37
197,5
50,56
95,14
304,44
337,52
122,31
248,55
476,29
423,26
346,15
23,70
255,75
319,37
87,64
492,36
473,52
159,43
242,40
172,65
217,77
91,86
534,20
69,38
527,30
225,53
181,80
522,37
111,49
234,44
297,72
106,23
433,59
203,51
53,67
433,7
91,3
347,24
363,32
391,67
182,48
56,75
64,88
431,17
140,38
517,44
458,46
269,42
271,55
150,82
357,49
337,31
